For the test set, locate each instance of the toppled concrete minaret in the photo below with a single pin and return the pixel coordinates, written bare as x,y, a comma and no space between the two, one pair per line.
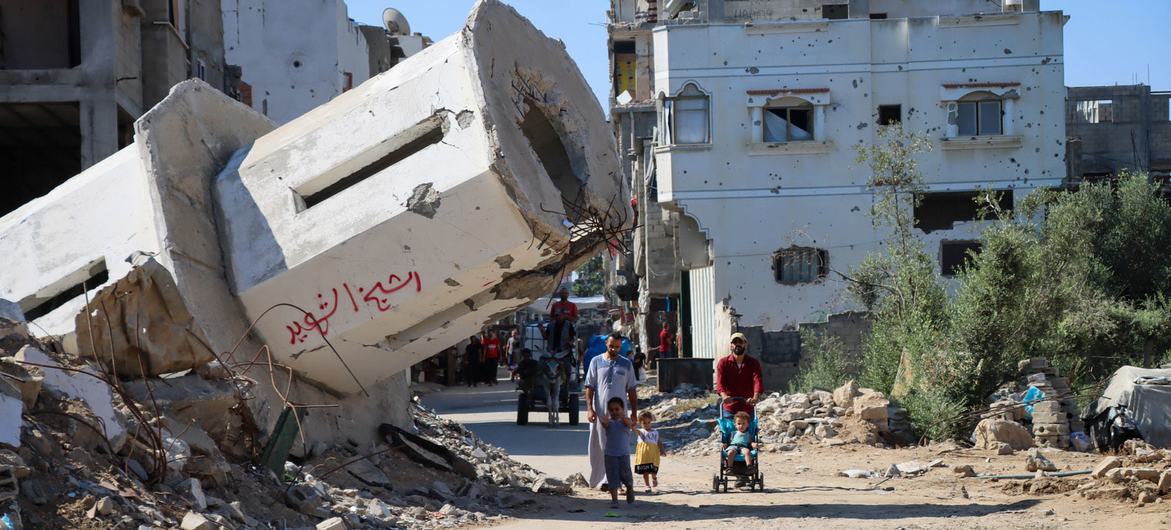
401,217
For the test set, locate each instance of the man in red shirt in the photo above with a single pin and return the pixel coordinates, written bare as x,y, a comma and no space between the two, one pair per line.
665,340
491,344
564,314
738,376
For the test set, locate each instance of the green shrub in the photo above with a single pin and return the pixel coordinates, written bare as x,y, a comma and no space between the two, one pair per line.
824,364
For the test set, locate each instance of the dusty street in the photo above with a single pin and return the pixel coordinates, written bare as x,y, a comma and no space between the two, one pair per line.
803,489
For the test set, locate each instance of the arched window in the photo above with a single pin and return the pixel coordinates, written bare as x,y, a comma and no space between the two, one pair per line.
686,117
979,114
788,119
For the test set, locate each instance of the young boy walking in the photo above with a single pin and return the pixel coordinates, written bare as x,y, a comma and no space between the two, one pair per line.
617,455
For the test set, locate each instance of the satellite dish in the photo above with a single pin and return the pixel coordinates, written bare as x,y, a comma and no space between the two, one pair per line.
395,22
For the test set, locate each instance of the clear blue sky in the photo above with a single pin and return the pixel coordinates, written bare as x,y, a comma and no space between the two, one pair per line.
1106,41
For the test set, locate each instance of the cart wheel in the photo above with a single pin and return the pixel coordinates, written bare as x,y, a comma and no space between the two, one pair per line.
574,406
716,483
522,409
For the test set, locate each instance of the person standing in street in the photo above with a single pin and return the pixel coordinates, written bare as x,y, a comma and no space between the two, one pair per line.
491,356
472,352
512,350
609,376
738,379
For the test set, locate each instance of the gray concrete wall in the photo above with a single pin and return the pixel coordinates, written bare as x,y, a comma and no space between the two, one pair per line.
780,352
1137,138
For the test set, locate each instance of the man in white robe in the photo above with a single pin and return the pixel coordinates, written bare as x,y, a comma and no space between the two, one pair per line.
609,375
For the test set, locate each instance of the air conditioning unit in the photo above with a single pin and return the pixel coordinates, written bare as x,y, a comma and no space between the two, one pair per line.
1013,6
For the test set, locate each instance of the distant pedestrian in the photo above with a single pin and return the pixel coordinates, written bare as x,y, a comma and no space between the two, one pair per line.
491,345
472,352
666,342
512,351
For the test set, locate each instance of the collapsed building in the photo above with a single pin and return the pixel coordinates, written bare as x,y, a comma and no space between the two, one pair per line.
330,254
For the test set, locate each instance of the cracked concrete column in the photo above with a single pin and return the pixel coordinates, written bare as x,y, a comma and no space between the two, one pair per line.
402,216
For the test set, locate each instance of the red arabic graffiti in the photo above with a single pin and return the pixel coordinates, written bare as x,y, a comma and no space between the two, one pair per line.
377,296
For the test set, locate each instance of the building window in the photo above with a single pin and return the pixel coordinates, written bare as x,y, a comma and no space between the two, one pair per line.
796,265
955,255
201,69
789,123
878,16
890,114
1094,111
835,11
625,60
347,81
686,117
941,210
978,114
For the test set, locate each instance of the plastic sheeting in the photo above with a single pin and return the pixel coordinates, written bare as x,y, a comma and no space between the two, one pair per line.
1149,404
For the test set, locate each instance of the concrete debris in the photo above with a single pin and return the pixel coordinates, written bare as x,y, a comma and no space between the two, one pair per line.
857,473
1107,464
333,523
11,409
142,326
1035,461
783,419
964,471
11,312
28,382
992,433
81,384
195,521
1042,398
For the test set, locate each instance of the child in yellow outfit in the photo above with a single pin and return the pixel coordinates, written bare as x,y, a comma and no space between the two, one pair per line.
646,453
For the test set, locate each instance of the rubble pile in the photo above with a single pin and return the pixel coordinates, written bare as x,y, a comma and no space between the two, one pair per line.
1042,397
87,451
847,415
1139,473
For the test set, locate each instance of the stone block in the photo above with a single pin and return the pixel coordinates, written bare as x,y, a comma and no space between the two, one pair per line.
990,433
1108,463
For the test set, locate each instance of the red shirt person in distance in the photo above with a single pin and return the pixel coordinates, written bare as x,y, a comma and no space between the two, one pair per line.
491,344
738,376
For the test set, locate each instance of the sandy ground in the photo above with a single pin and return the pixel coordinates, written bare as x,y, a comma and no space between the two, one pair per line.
802,487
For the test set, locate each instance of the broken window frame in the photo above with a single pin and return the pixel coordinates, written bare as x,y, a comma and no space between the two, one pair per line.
800,265
896,109
968,249
1094,111
689,105
978,105
785,113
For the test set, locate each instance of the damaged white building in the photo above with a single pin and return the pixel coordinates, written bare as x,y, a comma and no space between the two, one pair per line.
761,103
346,245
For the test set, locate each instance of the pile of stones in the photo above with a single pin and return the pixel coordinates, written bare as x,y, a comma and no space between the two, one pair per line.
1056,416
1139,473
847,415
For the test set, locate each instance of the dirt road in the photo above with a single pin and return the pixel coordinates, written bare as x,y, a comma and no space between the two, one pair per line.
803,489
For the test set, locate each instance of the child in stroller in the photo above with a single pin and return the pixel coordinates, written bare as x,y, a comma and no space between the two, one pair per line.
739,442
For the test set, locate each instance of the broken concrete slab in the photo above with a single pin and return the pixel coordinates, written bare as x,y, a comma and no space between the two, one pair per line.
29,383
83,385
11,410
141,326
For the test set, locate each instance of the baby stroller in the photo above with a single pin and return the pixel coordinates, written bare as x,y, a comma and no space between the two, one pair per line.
740,470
